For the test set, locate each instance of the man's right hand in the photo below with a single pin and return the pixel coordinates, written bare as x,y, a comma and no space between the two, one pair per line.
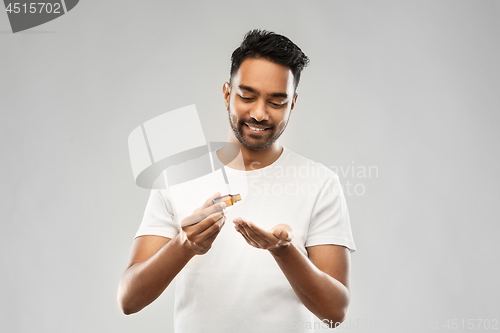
156,260
200,229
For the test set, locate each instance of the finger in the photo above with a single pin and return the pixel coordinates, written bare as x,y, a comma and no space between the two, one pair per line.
253,236
210,201
217,207
201,212
248,240
286,235
201,215
214,228
204,224
283,234
256,234
205,212
239,220
216,215
283,242
278,233
261,233
260,238
211,238
241,229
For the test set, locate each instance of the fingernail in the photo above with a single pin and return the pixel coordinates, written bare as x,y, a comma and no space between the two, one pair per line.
223,205
279,232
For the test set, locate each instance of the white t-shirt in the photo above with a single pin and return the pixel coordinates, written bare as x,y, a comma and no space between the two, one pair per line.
235,287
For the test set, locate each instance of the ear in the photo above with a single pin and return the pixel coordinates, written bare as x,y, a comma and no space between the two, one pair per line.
294,100
226,90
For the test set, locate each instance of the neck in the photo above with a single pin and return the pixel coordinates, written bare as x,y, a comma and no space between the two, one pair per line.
248,159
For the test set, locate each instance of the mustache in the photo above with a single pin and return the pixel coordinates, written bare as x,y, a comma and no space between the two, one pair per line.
253,122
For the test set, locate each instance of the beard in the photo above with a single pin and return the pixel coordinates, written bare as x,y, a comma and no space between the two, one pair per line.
264,141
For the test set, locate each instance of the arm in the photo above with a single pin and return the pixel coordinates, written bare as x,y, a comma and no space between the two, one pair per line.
156,260
320,281
154,263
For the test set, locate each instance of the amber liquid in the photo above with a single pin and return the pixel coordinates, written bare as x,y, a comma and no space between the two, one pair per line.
229,199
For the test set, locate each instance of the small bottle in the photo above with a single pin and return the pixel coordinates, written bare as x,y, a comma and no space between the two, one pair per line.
229,199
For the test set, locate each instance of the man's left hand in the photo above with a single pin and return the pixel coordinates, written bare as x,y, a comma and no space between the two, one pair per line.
277,238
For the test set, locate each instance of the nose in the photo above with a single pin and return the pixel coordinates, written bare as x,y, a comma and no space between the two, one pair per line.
259,112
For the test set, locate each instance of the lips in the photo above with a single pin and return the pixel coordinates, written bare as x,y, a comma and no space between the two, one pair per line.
256,129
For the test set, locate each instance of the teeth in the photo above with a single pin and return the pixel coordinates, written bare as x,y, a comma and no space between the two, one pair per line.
256,129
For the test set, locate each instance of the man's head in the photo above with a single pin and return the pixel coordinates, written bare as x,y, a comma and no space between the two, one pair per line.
265,71
273,47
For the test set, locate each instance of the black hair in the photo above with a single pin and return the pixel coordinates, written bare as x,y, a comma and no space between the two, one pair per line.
273,47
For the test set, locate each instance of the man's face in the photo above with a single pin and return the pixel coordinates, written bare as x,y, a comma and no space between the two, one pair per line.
259,100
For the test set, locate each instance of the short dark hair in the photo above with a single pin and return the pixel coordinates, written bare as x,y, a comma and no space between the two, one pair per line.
273,47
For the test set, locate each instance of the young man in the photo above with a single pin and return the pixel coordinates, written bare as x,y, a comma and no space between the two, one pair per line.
287,256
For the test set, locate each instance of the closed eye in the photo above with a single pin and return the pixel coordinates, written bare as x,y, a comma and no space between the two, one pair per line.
277,105
246,99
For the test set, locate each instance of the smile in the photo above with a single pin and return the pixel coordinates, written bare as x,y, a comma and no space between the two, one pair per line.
255,129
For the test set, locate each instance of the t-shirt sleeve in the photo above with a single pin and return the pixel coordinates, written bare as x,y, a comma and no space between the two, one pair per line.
330,222
158,216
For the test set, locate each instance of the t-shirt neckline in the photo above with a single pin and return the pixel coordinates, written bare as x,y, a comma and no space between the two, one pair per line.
278,161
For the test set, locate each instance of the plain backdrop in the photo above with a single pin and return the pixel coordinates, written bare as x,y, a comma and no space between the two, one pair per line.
401,98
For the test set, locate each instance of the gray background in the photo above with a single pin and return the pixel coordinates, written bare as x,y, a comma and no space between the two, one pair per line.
407,87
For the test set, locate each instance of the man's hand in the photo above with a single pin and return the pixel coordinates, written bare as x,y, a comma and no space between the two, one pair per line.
200,229
273,240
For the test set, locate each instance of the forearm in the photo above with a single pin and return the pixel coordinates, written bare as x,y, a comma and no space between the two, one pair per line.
323,295
144,281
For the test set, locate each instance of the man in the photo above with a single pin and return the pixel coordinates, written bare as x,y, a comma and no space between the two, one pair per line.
292,257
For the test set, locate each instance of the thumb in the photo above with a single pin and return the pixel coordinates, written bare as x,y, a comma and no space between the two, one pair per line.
277,232
281,234
283,231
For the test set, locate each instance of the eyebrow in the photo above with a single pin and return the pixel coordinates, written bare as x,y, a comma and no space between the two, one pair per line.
252,90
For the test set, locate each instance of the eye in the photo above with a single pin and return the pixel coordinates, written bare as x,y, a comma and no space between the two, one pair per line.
246,99
277,105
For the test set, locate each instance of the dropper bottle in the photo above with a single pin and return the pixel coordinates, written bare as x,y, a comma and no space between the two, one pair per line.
229,199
